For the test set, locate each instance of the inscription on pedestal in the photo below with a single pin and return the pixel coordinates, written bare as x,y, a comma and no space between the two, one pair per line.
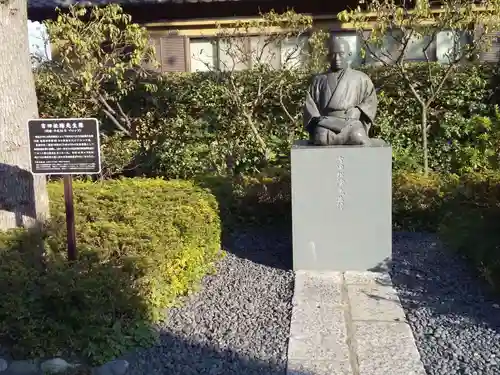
340,183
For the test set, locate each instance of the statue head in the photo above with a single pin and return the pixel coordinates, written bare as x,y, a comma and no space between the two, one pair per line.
338,53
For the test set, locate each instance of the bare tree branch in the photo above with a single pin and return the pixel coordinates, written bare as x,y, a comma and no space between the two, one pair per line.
443,80
410,84
292,119
115,121
425,49
124,117
258,53
111,113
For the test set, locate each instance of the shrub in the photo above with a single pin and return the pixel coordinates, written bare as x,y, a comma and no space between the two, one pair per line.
260,200
471,223
119,155
455,130
464,210
142,243
417,201
185,132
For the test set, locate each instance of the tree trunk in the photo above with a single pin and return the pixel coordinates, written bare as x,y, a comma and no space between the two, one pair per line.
23,196
424,140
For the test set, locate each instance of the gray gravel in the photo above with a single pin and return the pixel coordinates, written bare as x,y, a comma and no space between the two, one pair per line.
238,323
455,322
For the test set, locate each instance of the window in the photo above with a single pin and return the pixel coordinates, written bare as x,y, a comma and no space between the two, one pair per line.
290,53
264,51
241,53
421,48
391,49
208,54
294,52
203,55
449,45
287,53
39,44
234,54
445,44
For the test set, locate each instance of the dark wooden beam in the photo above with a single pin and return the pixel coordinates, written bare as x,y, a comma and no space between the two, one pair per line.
213,9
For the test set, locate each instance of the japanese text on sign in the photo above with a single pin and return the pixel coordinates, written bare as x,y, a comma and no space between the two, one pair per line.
64,147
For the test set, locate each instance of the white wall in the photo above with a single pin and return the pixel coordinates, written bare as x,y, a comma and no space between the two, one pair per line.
38,41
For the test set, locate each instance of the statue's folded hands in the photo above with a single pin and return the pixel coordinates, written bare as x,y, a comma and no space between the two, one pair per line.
332,123
353,113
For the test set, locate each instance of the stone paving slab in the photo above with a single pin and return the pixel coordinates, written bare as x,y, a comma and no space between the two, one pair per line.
375,302
296,367
385,348
364,278
314,319
318,287
349,323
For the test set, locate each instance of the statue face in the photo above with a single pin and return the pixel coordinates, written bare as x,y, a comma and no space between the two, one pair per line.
338,54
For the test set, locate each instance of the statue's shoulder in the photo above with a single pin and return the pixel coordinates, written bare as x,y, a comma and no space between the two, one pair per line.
359,74
318,77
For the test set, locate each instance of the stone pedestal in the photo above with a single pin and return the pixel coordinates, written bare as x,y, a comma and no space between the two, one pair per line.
341,207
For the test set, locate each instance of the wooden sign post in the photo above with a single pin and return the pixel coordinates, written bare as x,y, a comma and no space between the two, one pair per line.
67,146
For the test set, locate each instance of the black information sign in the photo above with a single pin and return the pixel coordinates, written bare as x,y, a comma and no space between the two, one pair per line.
64,146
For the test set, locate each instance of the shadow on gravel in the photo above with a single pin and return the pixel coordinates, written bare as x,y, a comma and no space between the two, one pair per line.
178,356
429,277
254,227
269,247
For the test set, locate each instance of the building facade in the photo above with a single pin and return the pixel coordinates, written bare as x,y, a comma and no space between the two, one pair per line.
184,32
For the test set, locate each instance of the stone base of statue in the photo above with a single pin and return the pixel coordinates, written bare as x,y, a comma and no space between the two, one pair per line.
341,207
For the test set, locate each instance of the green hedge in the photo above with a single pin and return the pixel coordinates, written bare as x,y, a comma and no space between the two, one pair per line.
142,243
192,125
418,203
464,210
471,223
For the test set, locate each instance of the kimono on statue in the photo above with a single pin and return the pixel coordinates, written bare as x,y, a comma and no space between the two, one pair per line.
341,104
329,103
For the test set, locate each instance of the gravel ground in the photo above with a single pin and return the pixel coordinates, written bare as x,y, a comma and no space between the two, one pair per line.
455,323
238,323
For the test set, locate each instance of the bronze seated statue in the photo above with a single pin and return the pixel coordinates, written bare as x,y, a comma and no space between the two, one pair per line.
340,104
